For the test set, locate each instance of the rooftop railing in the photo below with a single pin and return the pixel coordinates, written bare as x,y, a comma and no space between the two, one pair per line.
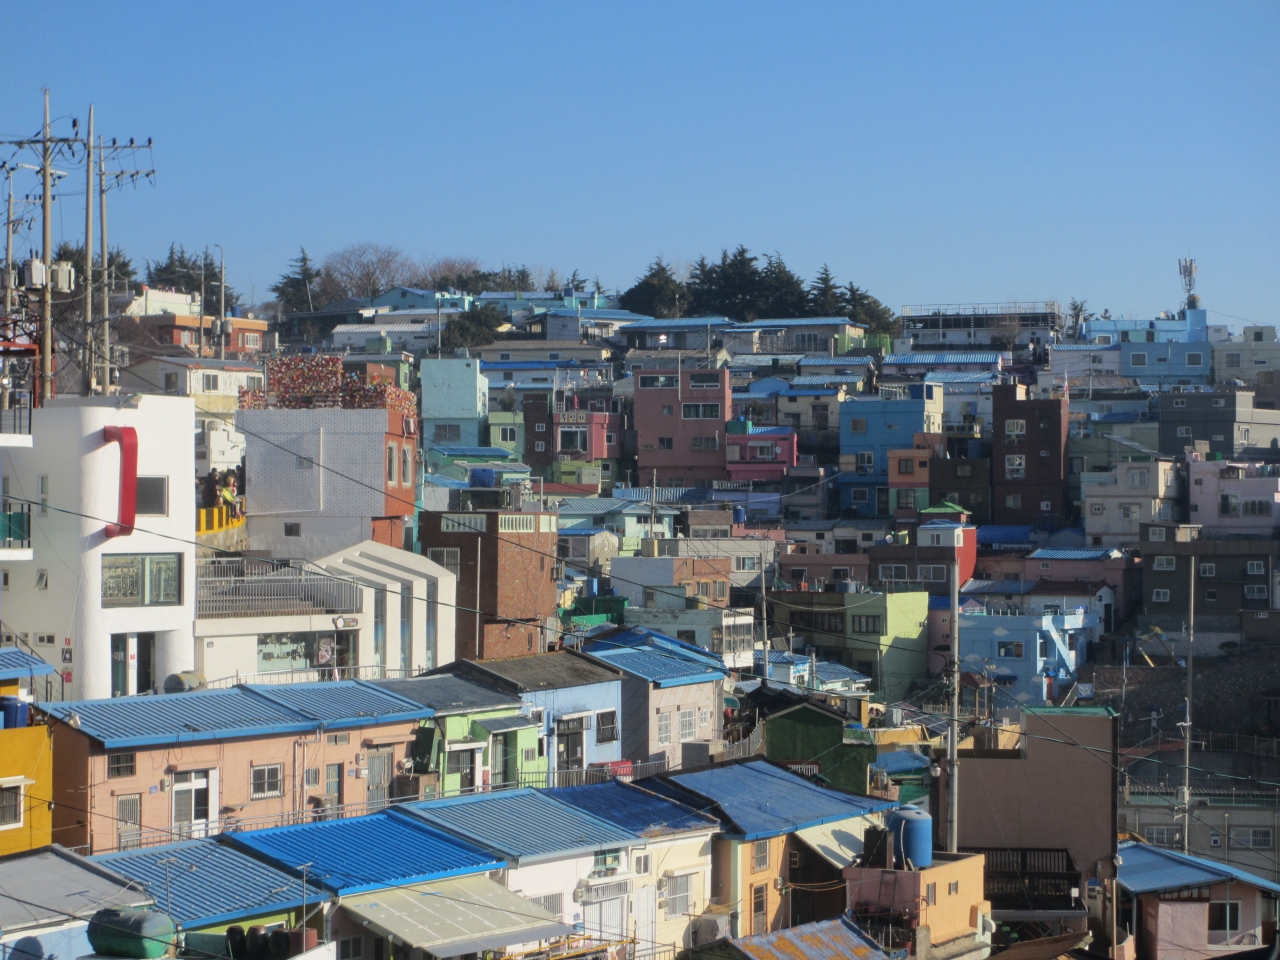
243,586
17,417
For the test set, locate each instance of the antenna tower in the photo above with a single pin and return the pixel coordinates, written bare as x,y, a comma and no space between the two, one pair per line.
1187,270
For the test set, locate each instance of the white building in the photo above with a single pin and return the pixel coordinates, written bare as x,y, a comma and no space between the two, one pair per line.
1145,489
108,595
727,631
455,402
368,612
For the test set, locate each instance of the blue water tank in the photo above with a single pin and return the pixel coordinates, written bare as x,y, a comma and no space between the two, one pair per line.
15,712
589,588
484,477
739,514
912,831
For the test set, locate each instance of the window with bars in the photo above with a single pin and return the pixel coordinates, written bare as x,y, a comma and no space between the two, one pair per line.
688,725
10,806
760,856
553,903
267,781
448,557
1251,838
679,896
128,821
606,726
121,765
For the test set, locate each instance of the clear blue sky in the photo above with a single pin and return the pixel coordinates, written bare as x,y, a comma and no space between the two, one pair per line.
929,152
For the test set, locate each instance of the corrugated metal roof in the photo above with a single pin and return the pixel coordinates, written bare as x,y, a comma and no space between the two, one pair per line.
57,884
1084,347
489,453
753,360
806,322
830,380
901,359
506,724
997,533
599,505
634,809
687,323
344,703
1057,554
661,669
770,432
16,664
832,672
523,824
1012,587
757,799
449,693
836,362
1147,869
595,314
207,882
838,939
427,329
946,377
366,853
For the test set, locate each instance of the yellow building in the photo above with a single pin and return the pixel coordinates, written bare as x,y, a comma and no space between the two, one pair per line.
26,760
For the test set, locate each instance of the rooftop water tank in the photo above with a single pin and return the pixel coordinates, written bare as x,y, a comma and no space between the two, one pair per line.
739,514
137,934
484,477
912,831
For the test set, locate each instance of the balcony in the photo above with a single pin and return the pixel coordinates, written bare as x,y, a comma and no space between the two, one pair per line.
246,587
1030,878
15,532
15,420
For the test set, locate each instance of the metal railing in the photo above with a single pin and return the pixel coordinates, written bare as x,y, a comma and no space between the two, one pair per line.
1161,791
15,526
242,587
748,746
215,519
17,418
313,674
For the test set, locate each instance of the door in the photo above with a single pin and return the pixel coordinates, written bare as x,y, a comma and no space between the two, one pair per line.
569,751
605,919
191,803
1108,614
379,779
498,758
646,919
760,908
128,821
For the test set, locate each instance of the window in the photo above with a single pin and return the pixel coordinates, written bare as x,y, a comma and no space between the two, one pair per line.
658,382
1138,478
679,896
1164,836
391,462
1256,567
10,806
1211,595
893,571
210,382
1233,359
446,432
42,579
303,463
539,428
606,860
606,726
1164,563
1015,466
964,470
253,383
517,523
864,623
700,411
1159,596
1251,508
121,765
337,739
1255,591
906,466
930,894
42,487
507,434
46,639
746,563
448,557
1137,360
267,781
333,780
539,445
1224,916
934,573
1184,432
128,821
171,382
142,580
312,777
293,529
664,727
1208,569
704,381
688,725
1046,505
1155,534
1097,509
1228,505
706,443
666,443
1015,429
351,948
1130,511
1010,649
1179,403
406,464
760,856
1013,501
721,589
1251,838
464,523
953,888
1195,360
857,425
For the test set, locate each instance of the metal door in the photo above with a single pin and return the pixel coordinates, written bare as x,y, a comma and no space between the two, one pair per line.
191,803
646,920
604,919
379,778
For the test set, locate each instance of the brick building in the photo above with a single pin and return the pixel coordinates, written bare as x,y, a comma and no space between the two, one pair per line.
516,598
963,481
680,424
928,558
1029,463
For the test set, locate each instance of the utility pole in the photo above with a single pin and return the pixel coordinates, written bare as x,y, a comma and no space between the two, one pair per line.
953,738
222,302
653,502
86,343
200,348
1186,727
46,302
104,381
10,279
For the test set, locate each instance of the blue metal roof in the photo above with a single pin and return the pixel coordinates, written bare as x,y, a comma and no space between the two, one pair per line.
906,359
1147,869
582,531
625,316
490,453
1007,587
539,364
775,656
207,882
901,761
685,323
836,362
838,939
346,703
599,505
831,672
1048,553
996,533
1084,347
366,853
16,664
634,809
818,379
523,824
655,657
771,432
947,377
755,800
806,322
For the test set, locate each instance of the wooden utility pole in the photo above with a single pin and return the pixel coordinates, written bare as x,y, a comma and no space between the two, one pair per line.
1186,726
953,737
104,376
46,301
86,343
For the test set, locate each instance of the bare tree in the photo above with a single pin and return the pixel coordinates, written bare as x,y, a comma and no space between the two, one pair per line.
442,272
368,269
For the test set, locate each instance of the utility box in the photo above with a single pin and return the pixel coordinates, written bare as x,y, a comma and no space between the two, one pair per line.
62,276
33,275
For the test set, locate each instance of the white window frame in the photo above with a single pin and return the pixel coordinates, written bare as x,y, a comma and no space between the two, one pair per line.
254,792
1164,563
1159,596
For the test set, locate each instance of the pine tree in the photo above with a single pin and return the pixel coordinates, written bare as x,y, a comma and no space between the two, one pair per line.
824,295
657,294
781,292
863,308
296,290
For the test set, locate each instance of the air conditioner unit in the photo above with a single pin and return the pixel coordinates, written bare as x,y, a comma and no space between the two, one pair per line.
779,884
563,458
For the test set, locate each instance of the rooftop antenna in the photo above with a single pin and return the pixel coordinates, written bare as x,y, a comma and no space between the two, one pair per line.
1187,270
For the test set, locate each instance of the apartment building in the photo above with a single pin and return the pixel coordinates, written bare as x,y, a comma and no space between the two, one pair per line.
869,429
680,425
1138,490
673,583
1029,464
1226,420
1233,497
455,402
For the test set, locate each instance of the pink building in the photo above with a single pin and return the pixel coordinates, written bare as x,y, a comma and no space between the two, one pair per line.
1234,496
758,453
588,435
680,424
1089,565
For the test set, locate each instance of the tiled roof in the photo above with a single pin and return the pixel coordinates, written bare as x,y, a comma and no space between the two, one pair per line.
206,882
523,824
366,853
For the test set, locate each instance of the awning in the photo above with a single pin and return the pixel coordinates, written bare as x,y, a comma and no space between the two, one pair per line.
449,918
839,843
507,724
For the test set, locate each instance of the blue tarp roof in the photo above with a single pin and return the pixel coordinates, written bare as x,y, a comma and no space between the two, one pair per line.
1147,869
242,711
901,761
522,824
366,853
755,800
16,664
634,809
207,882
